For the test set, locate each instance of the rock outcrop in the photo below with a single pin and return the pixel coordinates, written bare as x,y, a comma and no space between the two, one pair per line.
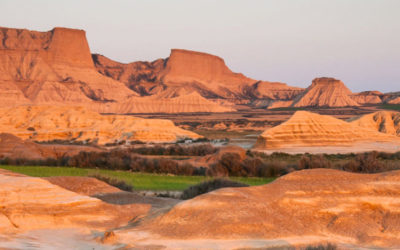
191,71
13,147
52,68
29,203
368,97
305,129
56,67
325,92
302,208
383,121
48,123
275,91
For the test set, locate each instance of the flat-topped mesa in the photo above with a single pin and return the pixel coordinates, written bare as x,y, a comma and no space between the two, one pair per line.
69,46
60,46
189,66
325,92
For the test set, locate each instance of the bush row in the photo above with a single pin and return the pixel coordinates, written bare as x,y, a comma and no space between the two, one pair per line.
229,164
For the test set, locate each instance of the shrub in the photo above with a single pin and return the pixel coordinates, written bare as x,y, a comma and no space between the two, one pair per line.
208,186
113,182
366,163
314,161
328,246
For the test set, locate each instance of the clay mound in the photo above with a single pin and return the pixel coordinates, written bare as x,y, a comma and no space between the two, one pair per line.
308,206
48,123
29,203
325,92
306,129
14,147
368,97
82,185
383,121
275,91
395,100
185,103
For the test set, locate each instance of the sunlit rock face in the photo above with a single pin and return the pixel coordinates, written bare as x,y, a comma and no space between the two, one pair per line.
304,207
383,121
30,203
325,92
306,129
48,123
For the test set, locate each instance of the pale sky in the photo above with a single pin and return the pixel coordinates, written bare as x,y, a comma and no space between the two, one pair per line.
291,41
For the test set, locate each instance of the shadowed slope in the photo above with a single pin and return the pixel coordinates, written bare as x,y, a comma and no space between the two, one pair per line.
383,121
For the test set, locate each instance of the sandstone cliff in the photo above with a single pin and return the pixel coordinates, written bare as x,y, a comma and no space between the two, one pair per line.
52,67
47,123
193,72
305,129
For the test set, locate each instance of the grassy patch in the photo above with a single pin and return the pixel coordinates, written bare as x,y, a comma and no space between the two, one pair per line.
140,181
224,134
390,106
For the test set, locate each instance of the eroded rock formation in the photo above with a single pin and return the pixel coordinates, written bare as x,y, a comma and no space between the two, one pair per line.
301,208
48,123
305,129
29,203
383,121
325,92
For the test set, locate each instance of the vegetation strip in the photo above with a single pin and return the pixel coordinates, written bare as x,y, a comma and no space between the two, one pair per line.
140,181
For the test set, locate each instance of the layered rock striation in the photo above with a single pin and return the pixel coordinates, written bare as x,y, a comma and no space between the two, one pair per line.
383,121
48,123
306,129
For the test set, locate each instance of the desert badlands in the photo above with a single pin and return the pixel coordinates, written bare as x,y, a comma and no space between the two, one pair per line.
318,167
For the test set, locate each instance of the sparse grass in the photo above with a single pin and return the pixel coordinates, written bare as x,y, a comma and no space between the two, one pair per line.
140,181
223,134
390,106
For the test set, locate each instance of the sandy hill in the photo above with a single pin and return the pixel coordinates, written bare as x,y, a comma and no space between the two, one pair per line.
29,203
305,129
325,92
14,147
368,97
304,207
47,123
383,121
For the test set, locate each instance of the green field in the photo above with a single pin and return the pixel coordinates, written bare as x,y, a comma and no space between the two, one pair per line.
140,181
390,107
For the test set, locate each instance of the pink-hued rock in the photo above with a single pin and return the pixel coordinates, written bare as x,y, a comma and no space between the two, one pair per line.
325,92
